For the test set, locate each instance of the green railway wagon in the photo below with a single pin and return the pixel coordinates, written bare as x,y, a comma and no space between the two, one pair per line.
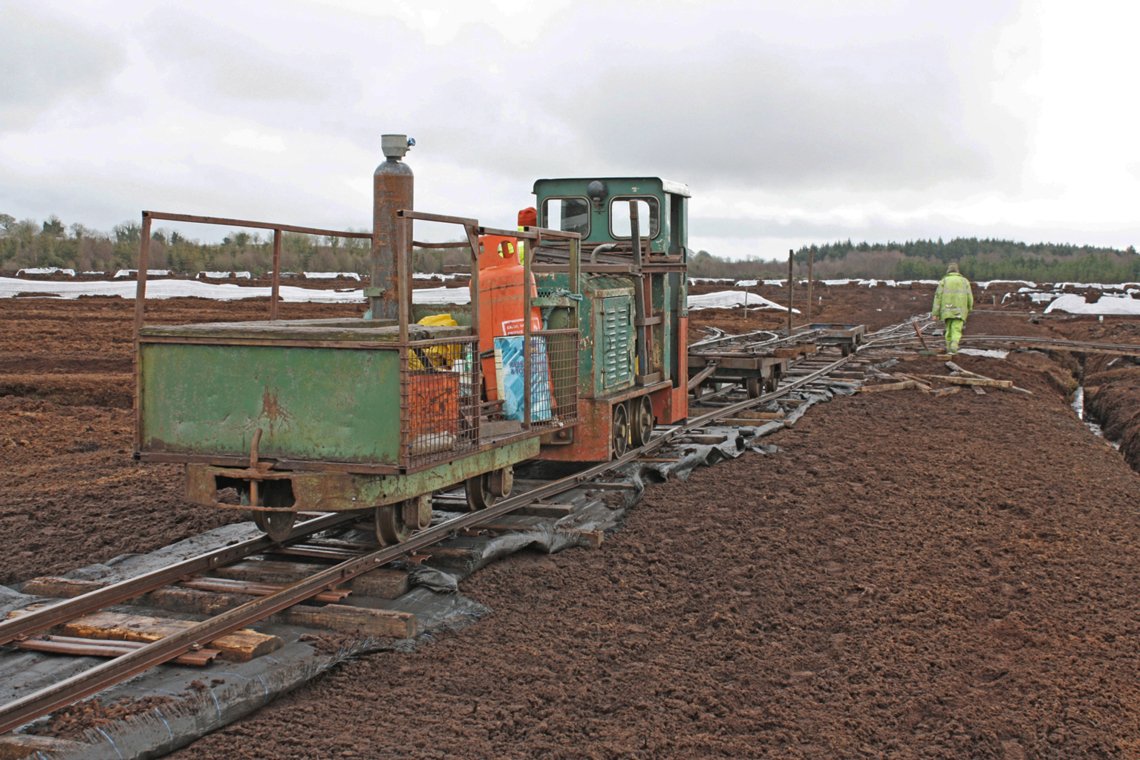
373,414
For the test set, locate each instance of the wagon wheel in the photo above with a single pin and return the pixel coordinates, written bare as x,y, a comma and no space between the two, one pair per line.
416,511
501,481
277,525
642,421
754,387
390,526
480,495
772,382
619,431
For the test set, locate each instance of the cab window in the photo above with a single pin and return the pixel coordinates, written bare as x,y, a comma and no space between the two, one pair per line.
648,217
567,214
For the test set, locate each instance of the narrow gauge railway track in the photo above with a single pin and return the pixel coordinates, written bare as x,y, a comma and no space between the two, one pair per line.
895,337
125,666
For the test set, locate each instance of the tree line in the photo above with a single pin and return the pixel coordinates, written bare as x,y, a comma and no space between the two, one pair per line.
979,259
31,244
28,243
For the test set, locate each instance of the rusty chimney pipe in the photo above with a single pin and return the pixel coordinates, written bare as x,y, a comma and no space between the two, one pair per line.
392,186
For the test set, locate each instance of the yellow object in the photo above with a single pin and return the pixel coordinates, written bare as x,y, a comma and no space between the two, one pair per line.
438,320
441,356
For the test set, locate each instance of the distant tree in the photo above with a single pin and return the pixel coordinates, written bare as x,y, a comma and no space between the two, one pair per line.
53,227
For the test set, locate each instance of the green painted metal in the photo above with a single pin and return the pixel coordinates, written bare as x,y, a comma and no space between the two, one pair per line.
323,404
669,198
377,490
615,354
602,335
334,491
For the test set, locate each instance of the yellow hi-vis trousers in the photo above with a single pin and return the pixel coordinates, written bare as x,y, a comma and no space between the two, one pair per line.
953,334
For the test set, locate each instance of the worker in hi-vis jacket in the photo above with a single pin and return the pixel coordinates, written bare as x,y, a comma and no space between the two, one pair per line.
952,303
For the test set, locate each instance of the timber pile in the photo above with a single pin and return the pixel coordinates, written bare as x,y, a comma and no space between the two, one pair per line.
957,378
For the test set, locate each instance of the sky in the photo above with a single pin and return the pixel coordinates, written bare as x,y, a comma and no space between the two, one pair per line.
792,123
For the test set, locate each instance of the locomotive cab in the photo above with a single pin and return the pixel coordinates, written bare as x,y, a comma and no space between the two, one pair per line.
633,319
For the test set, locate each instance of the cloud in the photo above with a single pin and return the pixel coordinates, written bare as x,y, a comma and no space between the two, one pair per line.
873,119
906,107
210,63
48,60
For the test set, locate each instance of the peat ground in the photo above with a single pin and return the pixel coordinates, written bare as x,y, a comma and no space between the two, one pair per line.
907,576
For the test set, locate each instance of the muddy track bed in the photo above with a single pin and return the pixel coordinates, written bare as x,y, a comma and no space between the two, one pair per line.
906,577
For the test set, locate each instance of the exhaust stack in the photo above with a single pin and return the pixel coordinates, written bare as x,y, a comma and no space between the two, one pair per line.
392,186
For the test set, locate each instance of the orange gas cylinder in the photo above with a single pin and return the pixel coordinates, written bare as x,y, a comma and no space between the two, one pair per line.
500,300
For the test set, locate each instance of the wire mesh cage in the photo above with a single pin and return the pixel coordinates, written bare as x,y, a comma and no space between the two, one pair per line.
439,400
558,399
441,408
552,389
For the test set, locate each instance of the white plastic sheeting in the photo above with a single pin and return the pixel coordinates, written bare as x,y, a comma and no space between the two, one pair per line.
1075,304
731,299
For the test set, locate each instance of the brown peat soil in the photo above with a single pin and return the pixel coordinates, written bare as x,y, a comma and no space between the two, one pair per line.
906,577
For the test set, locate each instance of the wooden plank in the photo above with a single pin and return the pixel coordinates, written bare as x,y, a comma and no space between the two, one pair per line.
171,598
918,383
467,553
590,538
742,422
363,621
748,414
546,510
381,583
268,571
60,588
14,746
239,646
179,599
983,381
946,391
883,387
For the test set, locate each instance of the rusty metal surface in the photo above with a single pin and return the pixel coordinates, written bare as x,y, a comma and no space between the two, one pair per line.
256,588
81,647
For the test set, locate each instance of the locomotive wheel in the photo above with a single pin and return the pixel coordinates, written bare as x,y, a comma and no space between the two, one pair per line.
390,526
480,495
277,525
619,431
642,421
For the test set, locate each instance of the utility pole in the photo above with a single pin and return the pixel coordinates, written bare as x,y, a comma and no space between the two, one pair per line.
791,285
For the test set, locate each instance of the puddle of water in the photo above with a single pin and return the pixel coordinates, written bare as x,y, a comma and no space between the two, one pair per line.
1079,408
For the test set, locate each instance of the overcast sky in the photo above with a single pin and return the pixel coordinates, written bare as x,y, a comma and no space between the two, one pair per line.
791,122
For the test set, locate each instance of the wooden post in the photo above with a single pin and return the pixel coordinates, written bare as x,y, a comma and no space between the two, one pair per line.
275,289
811,260
140,273
791,284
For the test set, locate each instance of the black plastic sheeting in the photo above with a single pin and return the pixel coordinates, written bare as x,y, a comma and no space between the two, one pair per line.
201,700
